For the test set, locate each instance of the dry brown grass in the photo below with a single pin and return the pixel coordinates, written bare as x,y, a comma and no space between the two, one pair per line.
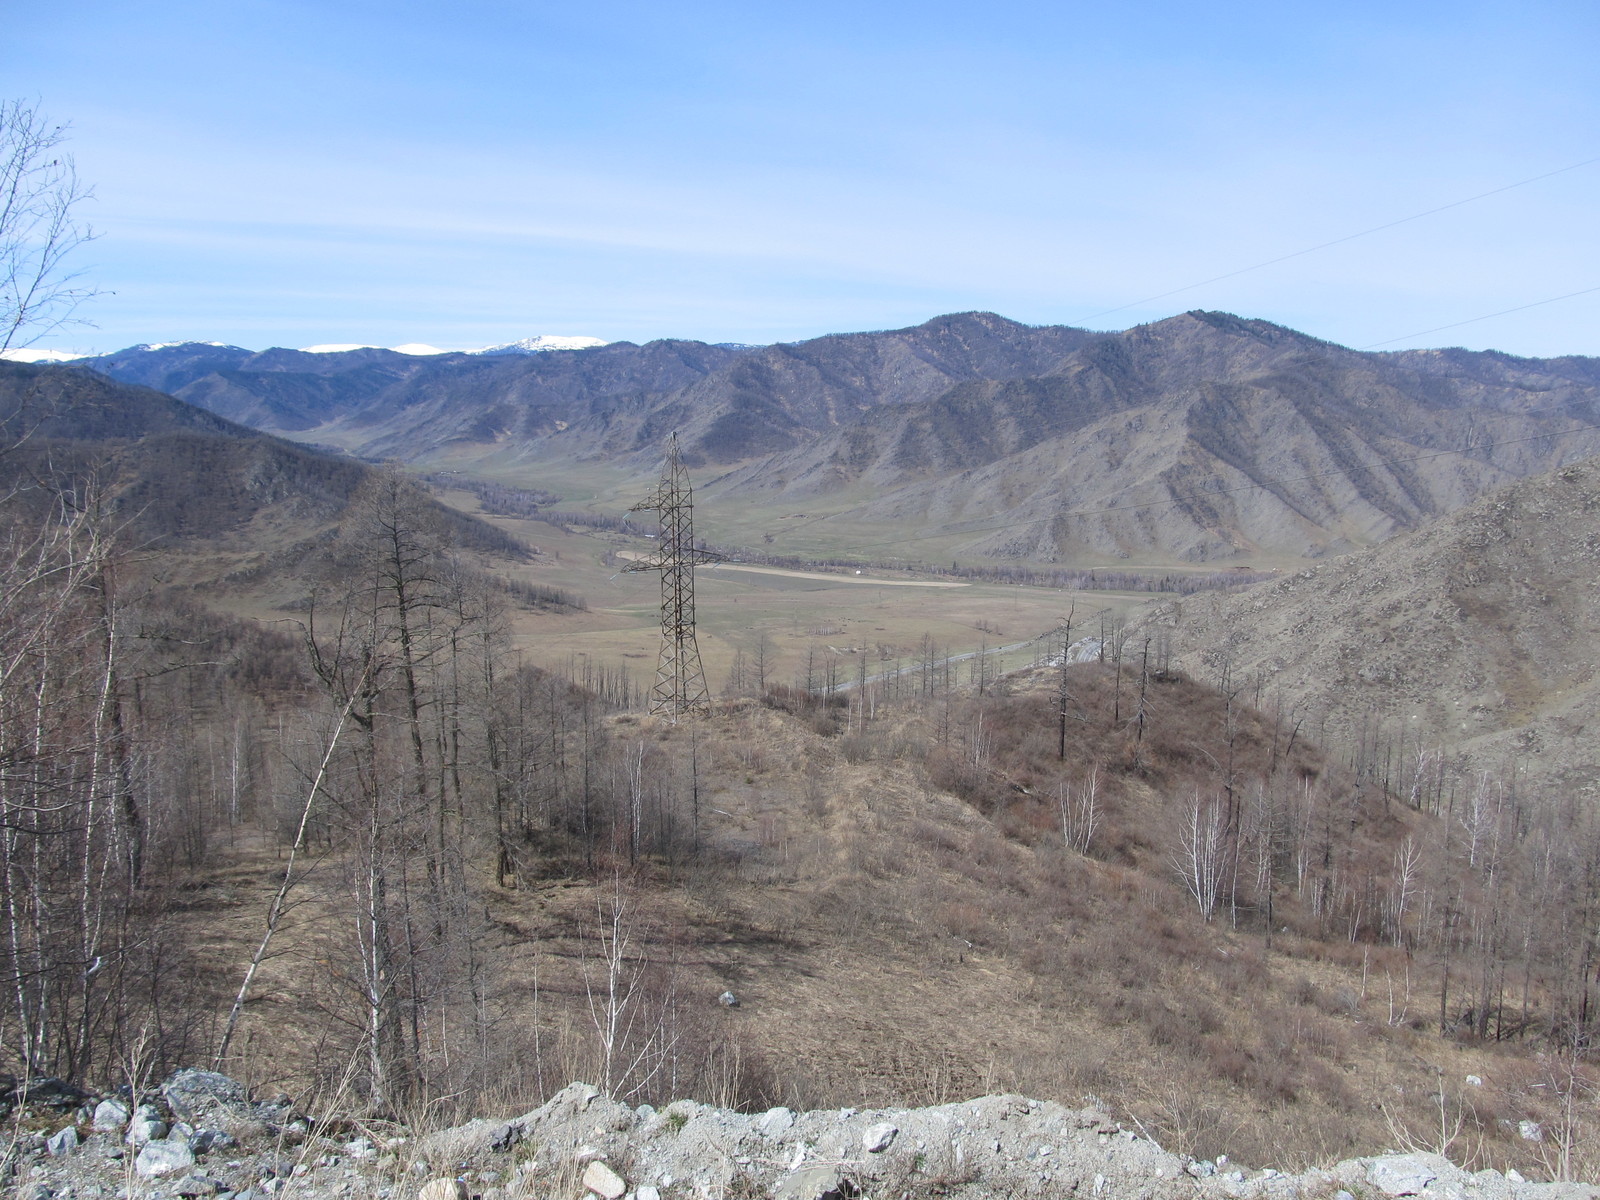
893,942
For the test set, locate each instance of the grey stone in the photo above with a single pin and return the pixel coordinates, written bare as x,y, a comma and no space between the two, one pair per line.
442,1189
1202,1169
110,1116
775,1122
821,1182
879,1137
145,1126
63,1142
56,1093
1407,1174
603,1181
160,1159
197,1185
194,1094
206,1140
1530,1131
647,1192
728,1000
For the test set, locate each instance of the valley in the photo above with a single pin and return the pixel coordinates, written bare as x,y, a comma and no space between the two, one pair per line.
1296,848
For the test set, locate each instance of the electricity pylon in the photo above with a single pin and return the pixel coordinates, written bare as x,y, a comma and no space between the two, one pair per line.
680,685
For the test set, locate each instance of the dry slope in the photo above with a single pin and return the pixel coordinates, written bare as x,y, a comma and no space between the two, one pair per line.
1480,634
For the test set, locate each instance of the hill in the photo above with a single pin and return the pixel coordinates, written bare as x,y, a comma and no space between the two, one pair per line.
1203,437
1476,639
174,475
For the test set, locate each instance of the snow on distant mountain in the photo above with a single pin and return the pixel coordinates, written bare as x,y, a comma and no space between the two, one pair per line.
542,343
24,355
538,344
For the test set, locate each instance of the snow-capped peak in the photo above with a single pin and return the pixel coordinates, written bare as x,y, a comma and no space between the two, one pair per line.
419,348
337,347
23,354
541,343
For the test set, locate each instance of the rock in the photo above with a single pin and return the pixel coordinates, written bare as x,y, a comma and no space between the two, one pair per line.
1201,1169
63,1142
194,1094
878,1138
1407,1174
472,1140
145,1126
1530,1131
1474,1081
359,1148
442,1189
647,1192
206,1140
728,1000
160,1159
820,1182
603,1181
196,1185
110,1116
1515,1176
55,1093
775,1122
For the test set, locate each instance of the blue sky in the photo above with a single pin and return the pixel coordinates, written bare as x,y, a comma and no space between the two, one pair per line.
272,172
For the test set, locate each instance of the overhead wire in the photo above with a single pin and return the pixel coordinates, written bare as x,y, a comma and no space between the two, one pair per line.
1349,237
1475,320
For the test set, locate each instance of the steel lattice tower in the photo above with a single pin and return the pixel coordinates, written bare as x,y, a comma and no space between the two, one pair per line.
680,685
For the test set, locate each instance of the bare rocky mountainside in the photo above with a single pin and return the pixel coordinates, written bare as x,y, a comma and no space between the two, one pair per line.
1478,636
1203,437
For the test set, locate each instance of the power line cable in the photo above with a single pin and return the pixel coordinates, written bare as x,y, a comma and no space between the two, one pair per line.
1475,320
1339,241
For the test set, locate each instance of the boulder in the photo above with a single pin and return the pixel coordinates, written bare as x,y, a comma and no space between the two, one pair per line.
820,1182
63,1142
442,1189
878,1138
1408,1174
146,1125
603,1181
110,1116
160,1159
193,1094
775,1122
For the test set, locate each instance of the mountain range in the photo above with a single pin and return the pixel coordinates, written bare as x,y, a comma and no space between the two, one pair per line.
1202,437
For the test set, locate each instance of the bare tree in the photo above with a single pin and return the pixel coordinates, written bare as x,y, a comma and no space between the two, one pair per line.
39,189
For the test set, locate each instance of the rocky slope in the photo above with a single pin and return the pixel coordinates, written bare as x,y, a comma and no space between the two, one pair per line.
199,1135
1480,633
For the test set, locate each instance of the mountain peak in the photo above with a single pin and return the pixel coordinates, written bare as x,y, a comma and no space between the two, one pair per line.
543,343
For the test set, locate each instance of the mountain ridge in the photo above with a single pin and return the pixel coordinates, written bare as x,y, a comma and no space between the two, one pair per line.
1201,437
